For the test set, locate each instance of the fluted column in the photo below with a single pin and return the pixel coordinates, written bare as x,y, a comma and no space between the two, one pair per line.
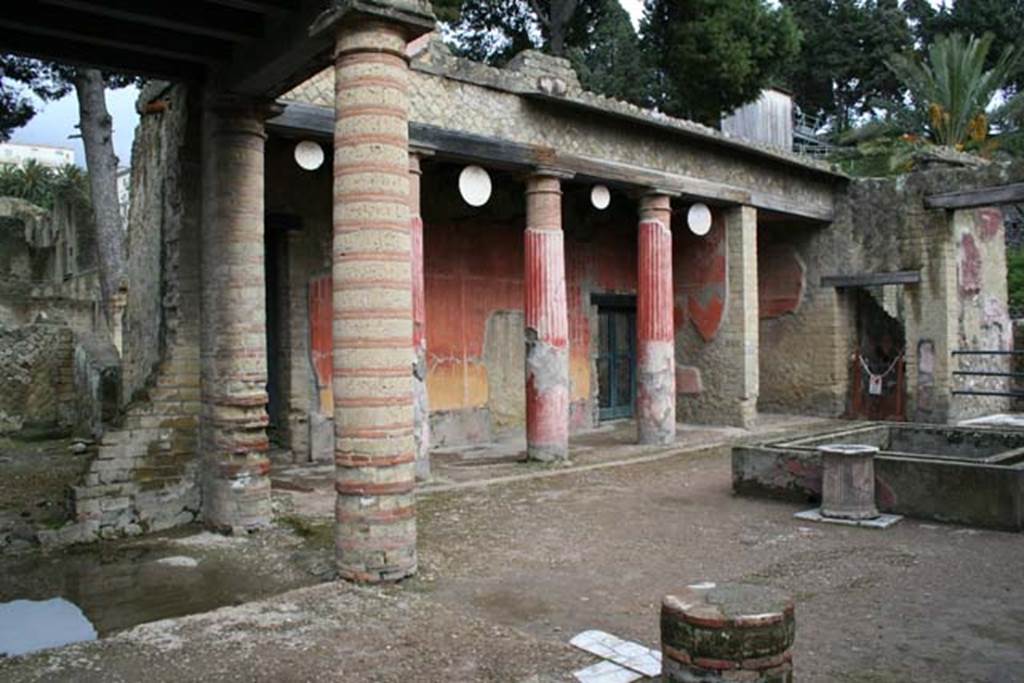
656,375
236,484
373,284
547,323
421,405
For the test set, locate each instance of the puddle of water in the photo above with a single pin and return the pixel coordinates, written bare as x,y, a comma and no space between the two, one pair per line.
120,585
31,625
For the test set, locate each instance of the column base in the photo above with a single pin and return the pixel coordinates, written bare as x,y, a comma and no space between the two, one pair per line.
238,504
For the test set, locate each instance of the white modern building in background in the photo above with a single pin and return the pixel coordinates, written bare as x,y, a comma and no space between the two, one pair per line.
15,154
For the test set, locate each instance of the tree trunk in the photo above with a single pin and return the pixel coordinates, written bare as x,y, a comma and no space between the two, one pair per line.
96,127
558,24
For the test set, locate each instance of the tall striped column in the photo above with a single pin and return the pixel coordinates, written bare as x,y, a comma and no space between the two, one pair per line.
656,374
547,323
373,283
421,405
233,423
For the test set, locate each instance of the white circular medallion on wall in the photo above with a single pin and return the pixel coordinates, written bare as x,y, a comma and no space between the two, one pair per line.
309,155
698,219
475,185
600,197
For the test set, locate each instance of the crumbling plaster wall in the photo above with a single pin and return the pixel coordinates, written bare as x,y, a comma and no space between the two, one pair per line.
882,225
805,343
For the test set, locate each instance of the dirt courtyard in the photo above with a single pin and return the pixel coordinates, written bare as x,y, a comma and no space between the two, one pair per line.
510,571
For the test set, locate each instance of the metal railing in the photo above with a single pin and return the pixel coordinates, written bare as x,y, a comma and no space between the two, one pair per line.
987,373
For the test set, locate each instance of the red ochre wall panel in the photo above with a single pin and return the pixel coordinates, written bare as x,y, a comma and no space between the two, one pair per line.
699,272
473,269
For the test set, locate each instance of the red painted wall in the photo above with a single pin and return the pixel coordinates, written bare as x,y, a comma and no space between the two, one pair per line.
474,267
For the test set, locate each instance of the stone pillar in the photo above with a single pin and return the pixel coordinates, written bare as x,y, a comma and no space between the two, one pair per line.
742,325
236,484
375,448
421,405
733,632
656,374
848,481
547,323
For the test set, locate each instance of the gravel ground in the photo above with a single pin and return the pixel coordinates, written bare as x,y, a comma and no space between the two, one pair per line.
509,572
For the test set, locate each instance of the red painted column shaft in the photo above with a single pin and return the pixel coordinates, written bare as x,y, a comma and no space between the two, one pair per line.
656,376
547,323
421,405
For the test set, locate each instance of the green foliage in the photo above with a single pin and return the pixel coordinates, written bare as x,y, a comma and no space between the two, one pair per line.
42,185
711,56
489,31
596,36
1015,277
606,53
952,90
20,78
1004,19
23,77
841,68
876,156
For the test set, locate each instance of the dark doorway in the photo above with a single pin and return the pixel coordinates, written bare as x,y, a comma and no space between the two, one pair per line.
616,358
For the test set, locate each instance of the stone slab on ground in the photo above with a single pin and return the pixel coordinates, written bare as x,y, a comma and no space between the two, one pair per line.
882,521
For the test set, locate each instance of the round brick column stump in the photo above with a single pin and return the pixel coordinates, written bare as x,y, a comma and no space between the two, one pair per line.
848,481
730,632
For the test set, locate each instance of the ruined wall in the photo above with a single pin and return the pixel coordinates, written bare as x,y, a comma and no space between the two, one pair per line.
805,329
36,380
983,318
17,217
882,226
144,475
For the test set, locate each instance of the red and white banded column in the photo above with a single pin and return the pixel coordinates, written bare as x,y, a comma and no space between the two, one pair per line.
236,482
375,449
656,375
547,323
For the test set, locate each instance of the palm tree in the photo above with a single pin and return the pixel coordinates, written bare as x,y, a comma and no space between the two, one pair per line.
951,92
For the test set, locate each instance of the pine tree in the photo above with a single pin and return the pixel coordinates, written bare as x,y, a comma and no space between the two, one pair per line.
711,56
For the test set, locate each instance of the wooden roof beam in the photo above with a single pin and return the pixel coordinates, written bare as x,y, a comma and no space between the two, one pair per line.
189,17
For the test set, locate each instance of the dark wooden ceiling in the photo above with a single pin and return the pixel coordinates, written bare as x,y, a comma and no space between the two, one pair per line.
255,47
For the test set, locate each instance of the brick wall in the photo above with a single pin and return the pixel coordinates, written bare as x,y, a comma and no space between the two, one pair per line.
36,377
144,476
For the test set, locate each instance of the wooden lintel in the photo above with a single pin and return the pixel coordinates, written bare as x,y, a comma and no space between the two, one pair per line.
205,20
117,60
983,196
901,277
108,32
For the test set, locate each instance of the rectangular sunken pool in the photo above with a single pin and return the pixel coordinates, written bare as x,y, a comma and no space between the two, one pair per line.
967,475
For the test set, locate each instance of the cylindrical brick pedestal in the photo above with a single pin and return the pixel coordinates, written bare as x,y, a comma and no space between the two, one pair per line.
730,632
848,481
